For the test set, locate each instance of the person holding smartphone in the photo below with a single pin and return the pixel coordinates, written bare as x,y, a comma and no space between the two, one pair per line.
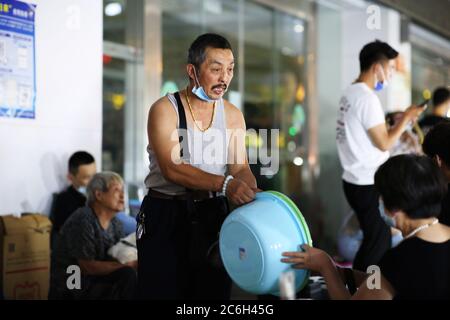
363,141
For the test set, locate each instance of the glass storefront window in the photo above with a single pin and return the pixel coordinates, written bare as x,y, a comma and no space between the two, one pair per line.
122,58
430,55
114,103
274,96
114,20
429,71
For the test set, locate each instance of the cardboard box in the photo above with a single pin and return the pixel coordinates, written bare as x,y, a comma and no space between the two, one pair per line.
25,256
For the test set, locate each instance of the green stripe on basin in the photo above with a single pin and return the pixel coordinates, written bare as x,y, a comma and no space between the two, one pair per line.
297,212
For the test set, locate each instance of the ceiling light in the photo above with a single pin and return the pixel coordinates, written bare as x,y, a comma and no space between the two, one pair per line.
299,28
113,9
298,161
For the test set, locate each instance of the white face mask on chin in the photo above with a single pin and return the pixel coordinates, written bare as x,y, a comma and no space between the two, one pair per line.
82,190
199,91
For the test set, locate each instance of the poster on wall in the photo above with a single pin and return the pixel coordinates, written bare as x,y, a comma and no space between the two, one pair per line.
17,59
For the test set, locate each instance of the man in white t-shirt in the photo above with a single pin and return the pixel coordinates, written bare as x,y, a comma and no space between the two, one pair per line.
363,141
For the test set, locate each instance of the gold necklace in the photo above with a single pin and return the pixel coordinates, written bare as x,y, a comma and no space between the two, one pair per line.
192,113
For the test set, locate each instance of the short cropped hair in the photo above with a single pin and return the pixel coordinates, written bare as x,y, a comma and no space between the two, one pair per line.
413,184
197,50
375,52
440,95
78,159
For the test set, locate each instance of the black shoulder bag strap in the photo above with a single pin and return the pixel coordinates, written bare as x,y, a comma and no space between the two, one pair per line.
182,130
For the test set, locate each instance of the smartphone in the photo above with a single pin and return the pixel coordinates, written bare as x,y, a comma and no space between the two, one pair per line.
424,104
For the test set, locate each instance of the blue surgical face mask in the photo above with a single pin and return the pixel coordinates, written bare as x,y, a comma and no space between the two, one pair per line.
199,91
390,221
380,85
82,190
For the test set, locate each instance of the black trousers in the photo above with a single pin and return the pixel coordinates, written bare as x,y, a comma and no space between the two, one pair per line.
178,256
364,200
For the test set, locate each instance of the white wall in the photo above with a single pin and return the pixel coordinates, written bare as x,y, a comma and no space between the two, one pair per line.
355,34
34,152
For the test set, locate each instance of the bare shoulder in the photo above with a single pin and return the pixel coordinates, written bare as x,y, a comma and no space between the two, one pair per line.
234,116
231,109
162,109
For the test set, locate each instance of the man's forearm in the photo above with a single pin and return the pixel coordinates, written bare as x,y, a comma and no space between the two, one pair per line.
246,175
193,178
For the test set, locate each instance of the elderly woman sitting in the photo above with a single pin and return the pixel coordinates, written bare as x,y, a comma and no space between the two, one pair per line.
85,239
412,188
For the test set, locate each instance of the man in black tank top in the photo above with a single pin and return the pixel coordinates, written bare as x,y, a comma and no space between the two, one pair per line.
177,232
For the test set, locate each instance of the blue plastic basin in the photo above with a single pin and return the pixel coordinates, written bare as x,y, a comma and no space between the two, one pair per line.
253,237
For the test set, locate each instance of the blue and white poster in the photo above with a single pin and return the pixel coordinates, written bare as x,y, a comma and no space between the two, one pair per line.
17,59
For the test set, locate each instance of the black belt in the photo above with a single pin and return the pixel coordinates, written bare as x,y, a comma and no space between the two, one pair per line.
196,195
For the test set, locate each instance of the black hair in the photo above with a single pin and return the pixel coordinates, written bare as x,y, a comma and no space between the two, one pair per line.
413,184
197,50
440,95
437,142
375,52
78,159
